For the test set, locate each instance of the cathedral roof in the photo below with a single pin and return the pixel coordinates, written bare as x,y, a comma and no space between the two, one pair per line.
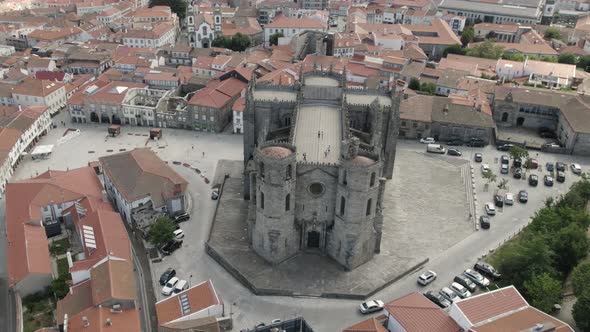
362,161
276,151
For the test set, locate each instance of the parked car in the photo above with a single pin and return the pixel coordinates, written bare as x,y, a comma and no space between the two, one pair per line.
484,222
215,194
560,177
549,167
551,146
504,169
504,159
505,147
534,164
547,134
181,217
276,321
499,200
533,180
509,199
169,286
487,270
371,306
436,148
427,140
170,247
448,294
465,282
517,173
427,277
560,166
454,152
461,291
485,168
477,278
478,157
517,163
476,142
576,168
167,275
437,299
490,209
182,285
548,179
455,142
523,196
179,233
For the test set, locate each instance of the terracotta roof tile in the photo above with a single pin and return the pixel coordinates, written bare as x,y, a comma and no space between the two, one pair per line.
200,297
415,313
369,325
295,23
485,306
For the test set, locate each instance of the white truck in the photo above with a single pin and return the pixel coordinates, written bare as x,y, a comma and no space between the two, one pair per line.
435,148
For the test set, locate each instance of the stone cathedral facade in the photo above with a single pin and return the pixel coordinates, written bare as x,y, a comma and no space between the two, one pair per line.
316,159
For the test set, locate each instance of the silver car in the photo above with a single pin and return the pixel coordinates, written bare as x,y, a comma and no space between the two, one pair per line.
448,294
460,290
371,306
477,278
426,277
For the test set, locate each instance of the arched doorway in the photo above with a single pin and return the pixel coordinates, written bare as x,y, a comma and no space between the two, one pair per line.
104,118
116,119
520,121
206,43
313,239
93,117
504,116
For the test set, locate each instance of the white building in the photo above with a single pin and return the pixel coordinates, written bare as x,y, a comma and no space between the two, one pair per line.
290,27
160,35
40,93
548,74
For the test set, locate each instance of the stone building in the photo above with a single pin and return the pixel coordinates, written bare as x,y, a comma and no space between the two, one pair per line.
316,157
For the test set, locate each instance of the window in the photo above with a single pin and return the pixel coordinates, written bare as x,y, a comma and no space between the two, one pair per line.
369,203
403,123
261,169
342,205
289,171
262,200
414,125
372,179
288,202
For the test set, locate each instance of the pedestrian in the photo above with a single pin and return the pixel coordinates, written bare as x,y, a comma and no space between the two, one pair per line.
329,146
304,156
203,154
325,154
319,134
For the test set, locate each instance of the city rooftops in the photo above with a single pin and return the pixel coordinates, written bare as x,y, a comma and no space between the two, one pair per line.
492,8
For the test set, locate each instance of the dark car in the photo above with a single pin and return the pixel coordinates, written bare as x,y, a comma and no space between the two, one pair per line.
499,200
167,275
454,152
181,217
476,142
560,176
437,299
465,282
170,247
548,179
455,142
533,180
549,167
523,196
504,159
534,164
517,173
517,163
560,166
504,147
547,134
478,157
215,194
484,222
487,270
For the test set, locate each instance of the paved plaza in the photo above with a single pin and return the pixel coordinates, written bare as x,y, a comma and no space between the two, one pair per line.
425,213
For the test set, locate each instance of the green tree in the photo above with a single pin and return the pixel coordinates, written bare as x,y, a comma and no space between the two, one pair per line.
453,49
517,152
567,57
222,41
414,84
274,38
581,311
548,59
581,278
60,287
570,244
584,62
552,33
240,42
429,88
467,35
514,57
161,231
487,49
543,291
489,176
176,6
491,35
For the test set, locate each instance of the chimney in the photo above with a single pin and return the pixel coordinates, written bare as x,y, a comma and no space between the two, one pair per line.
85,321
69,257
109,323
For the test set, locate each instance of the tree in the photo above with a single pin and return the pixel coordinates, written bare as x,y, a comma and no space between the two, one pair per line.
60,287
161,231
581,278
429,88
570,244
547,59
552,33
584,62
502,184
453,49
222,41
567,58
514,57
487,49
491,35
543,291
489,176
414,84
517,152
581,311
274,38
467,35
239,42
176,6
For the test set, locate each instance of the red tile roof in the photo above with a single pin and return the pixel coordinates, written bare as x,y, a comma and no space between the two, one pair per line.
295,23
50,75
200,297
522,320
485,306
369,325
415,313
218,93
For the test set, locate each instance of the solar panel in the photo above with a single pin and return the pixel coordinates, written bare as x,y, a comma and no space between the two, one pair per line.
184,303
89,239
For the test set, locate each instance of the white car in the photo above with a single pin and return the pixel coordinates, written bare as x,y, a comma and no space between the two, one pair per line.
371,306
460,290
485,168
576,168
504,169
490,209
427,140
169,287
509,199
179,234
426,277
448,294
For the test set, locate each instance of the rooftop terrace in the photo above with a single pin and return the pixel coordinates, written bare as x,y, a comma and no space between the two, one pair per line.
318,128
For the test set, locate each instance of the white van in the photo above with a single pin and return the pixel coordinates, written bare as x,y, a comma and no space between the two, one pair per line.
180,286
435,148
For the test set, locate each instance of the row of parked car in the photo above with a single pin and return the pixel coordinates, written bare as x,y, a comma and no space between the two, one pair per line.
171,283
